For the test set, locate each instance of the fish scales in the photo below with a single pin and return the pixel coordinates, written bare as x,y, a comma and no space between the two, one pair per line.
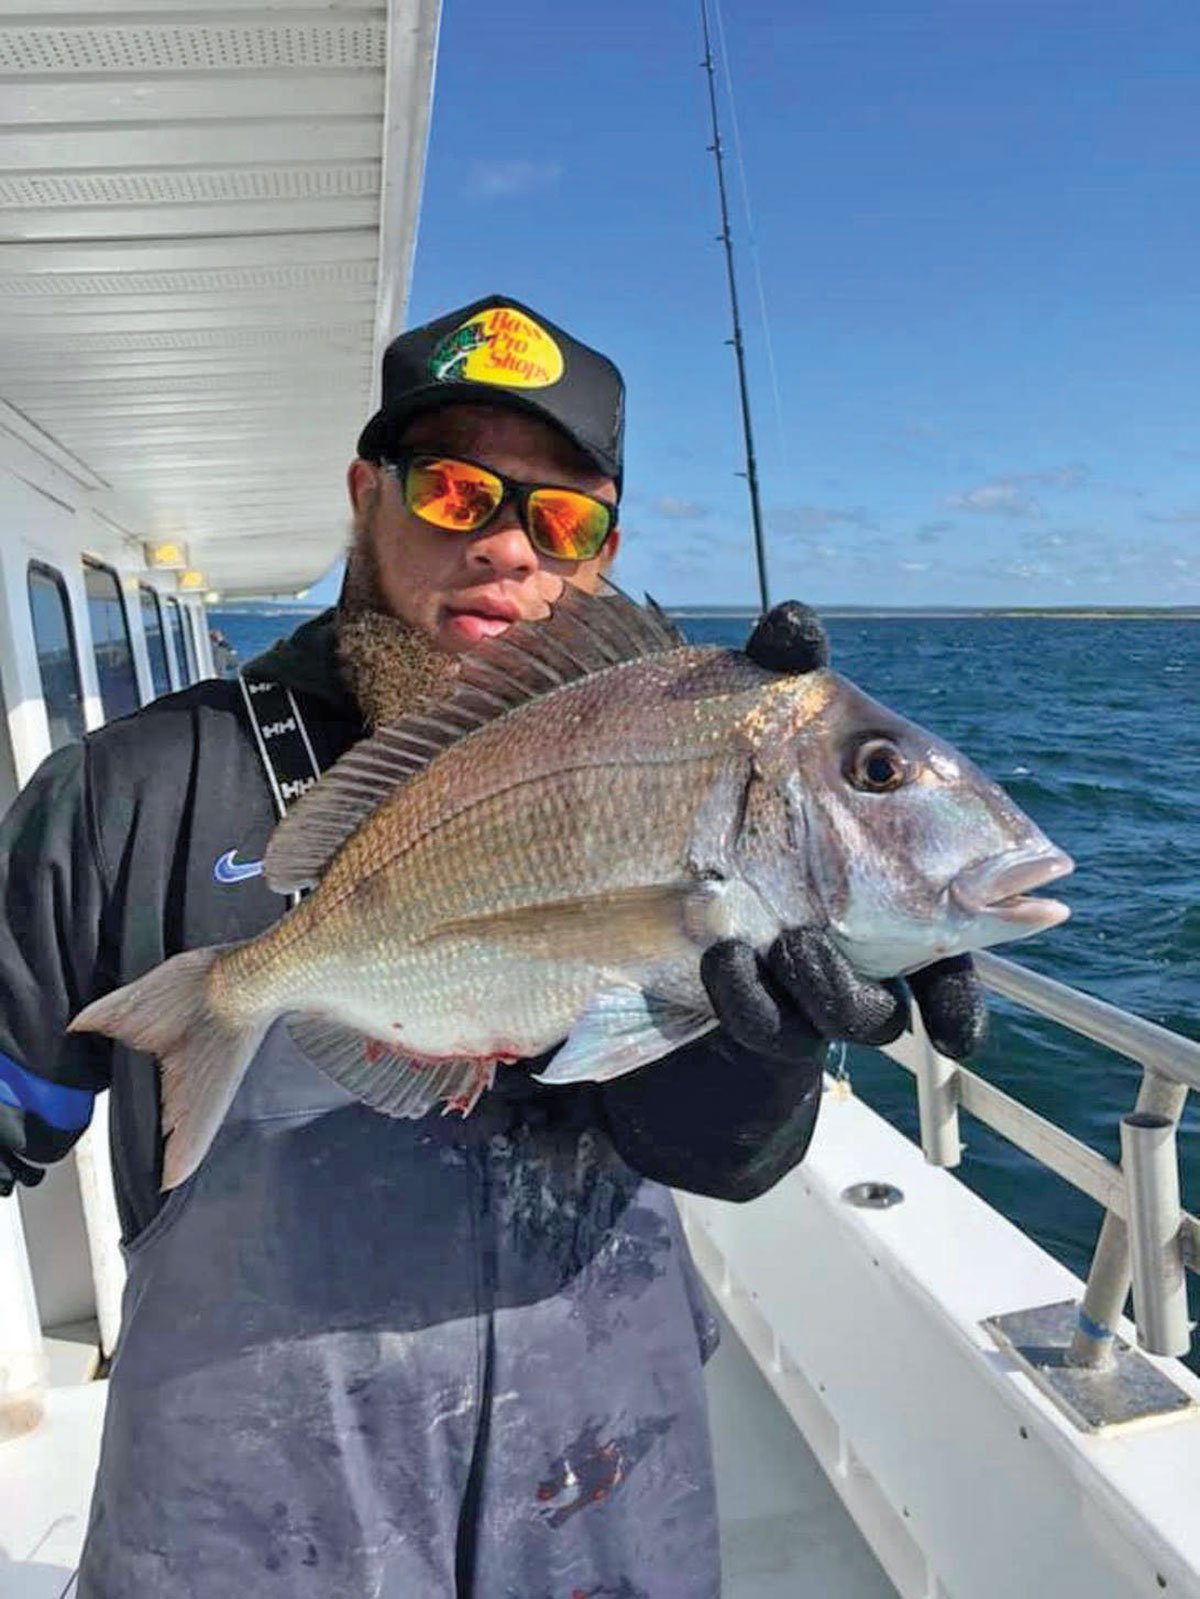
655,711
698,704
377,947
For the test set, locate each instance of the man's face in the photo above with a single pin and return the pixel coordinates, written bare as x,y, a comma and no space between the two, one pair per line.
459,588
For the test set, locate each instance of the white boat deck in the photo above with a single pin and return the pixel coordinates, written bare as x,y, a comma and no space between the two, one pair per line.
784,1532
45,1489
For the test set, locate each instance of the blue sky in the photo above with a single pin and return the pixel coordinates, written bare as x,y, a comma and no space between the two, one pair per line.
978,228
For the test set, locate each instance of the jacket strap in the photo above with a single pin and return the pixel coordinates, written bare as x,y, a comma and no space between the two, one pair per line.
282,739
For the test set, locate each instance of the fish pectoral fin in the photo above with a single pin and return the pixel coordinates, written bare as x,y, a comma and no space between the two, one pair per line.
621,1028
385,1078
633,924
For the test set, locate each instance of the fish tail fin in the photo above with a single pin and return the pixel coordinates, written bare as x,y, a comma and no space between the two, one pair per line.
203,1052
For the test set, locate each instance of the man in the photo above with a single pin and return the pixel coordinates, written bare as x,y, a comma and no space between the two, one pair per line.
372,1357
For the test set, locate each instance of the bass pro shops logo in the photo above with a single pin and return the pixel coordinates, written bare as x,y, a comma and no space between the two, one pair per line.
501,346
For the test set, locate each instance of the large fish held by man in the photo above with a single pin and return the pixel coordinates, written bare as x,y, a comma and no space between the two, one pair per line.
545,854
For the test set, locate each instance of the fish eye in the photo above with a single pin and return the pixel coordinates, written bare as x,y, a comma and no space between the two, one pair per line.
877,766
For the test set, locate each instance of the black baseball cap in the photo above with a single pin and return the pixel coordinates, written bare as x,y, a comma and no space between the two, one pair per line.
499,352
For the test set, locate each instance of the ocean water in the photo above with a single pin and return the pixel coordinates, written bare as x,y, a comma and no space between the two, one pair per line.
1093,726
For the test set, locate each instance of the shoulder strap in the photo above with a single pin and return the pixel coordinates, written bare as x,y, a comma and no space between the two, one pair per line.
283,743
282,739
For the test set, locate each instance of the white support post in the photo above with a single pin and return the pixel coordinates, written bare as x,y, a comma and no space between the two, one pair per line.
937,1099
93,1162
1151,1165
1110,1274
22,1357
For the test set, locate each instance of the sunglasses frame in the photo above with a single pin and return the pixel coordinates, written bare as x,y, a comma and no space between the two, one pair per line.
397,467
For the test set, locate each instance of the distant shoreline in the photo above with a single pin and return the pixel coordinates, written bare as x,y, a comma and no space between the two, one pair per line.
1067,613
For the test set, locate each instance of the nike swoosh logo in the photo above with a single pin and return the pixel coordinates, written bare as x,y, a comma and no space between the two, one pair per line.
227,870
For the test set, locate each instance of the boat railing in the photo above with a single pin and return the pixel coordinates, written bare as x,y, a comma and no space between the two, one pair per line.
1147,1240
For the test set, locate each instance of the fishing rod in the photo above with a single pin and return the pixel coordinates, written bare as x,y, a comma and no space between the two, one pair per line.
726,238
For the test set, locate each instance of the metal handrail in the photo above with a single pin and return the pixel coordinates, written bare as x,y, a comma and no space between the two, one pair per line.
1068,1157
1157,1048
1170,1066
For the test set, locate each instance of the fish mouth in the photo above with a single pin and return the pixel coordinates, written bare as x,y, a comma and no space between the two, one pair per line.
1000,885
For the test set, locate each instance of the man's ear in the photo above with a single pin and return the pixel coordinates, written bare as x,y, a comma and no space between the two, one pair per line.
362,485
611,545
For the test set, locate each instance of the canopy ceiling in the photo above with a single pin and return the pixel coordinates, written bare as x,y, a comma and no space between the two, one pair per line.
206,225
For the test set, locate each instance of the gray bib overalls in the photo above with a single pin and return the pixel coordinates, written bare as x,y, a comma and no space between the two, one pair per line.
375,1359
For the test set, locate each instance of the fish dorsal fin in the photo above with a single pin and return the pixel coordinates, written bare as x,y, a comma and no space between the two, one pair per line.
585,634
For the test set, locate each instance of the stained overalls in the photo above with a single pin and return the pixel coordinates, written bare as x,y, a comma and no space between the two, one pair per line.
373,1359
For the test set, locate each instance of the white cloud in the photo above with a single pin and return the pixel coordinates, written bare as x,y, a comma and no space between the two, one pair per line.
507,180
1003,497
809,519
1177,519
1010,494
1052,477
677,510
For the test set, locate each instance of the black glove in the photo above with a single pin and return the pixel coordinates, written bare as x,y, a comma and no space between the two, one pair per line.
28,1143
13,1167
804,990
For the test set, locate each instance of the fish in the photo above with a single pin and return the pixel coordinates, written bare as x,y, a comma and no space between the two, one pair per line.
541,856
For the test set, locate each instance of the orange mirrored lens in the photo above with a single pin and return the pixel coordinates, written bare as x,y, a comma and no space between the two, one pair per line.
570,526
452,494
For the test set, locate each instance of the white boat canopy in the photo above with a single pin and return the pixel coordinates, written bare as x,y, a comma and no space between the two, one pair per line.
207,218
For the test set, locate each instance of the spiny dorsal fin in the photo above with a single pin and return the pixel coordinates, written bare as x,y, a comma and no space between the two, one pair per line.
586,634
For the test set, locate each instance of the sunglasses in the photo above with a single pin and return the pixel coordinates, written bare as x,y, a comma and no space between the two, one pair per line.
463,496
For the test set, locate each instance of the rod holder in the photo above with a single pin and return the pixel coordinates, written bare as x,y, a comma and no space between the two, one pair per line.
1094,1341
937,1100
1109,1277
1148,1159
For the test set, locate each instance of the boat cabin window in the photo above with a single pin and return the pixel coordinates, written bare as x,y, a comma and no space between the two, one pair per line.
182,626
58,661
192,618
174,641
156,644
110,641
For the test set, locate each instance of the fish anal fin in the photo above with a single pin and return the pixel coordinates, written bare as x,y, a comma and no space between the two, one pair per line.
385,1078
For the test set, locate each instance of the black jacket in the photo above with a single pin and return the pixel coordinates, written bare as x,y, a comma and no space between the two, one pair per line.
107,867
